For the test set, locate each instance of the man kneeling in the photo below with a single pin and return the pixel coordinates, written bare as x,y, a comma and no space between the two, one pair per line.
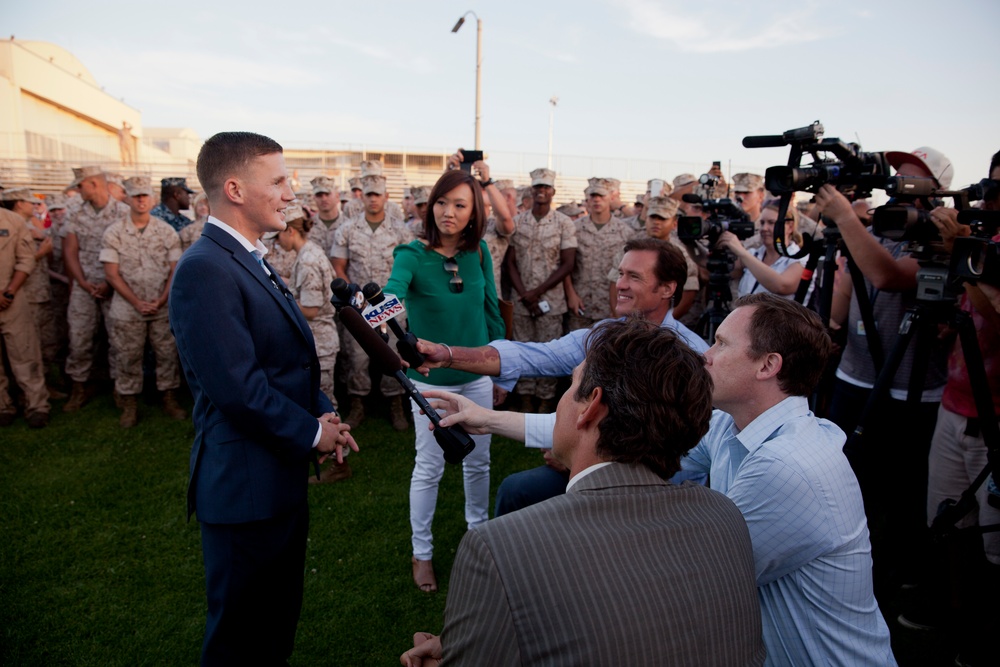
625,568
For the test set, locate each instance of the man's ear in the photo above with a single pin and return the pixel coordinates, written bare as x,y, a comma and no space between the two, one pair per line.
769,366
233,190
594,411
669,288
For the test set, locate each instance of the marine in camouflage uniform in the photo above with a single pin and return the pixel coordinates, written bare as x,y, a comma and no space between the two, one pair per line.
544,249
17,325
175,196
362,253
356,207
39,292
312,274
600,237
496,240
328,216
58,280
89,298
188,235
139,256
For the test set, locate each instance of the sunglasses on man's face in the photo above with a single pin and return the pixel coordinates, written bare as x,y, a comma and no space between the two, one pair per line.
451,266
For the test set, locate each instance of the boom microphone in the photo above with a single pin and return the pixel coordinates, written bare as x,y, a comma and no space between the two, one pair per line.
765,141
406,341
453,440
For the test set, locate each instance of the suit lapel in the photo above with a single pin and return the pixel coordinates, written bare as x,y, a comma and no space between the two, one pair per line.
248,262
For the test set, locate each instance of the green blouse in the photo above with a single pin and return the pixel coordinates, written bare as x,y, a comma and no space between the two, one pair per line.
467,319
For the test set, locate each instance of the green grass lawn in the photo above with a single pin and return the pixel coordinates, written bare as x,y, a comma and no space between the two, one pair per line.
99,565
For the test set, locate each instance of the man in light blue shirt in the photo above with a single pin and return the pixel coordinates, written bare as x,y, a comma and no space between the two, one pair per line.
784,469
649,274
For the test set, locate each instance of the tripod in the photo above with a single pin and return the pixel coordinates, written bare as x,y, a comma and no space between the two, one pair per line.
720,294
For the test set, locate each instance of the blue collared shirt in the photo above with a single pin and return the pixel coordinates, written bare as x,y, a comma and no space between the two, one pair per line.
558,358
801,501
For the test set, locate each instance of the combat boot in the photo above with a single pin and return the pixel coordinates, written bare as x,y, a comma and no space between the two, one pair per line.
396,414
130,411
170,406
356,414
77,397
334,472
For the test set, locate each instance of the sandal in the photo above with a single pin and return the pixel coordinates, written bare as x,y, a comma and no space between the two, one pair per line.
423,575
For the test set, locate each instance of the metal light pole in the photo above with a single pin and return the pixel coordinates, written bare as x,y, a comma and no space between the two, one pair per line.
552,117
479,69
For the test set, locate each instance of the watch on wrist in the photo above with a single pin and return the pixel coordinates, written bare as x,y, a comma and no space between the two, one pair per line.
488,183
8,295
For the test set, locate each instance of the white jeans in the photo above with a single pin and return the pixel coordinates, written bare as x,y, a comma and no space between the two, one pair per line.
429,466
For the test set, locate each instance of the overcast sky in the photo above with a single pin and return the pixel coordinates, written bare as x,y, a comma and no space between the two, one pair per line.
681,82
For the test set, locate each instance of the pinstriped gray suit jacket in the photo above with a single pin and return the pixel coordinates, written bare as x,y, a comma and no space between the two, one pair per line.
624,569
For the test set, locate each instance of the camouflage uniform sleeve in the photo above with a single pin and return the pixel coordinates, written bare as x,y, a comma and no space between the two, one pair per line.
339,248
173,243
309,285
567,232
111,245
24,250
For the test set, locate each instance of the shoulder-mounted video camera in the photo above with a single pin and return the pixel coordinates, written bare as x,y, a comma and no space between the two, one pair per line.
842,165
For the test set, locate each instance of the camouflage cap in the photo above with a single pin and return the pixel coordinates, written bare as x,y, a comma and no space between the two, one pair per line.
354,182
20,194
571,209
80,173
543,176
421,193
293,212
55,201
744,182
667,187
345,196
639,198
373,184
614,183
176,181
598,186
663,207
323,184
115,178
505,184
138,185
684,179
371,168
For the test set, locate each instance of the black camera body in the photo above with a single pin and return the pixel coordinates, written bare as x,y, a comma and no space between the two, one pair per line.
725,215
849,170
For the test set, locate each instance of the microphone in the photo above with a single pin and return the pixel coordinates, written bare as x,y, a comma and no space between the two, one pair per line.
407,340
346,294
691,198
765,141
453,440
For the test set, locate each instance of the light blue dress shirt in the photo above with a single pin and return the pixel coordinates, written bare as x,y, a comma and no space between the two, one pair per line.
559,357
801,501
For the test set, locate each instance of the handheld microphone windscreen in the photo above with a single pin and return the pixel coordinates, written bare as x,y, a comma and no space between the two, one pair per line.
691,198
370,342
373,293
765,141
339,287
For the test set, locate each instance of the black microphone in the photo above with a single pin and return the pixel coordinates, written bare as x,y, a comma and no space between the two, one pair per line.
406,340
765,141
346,294
691,198
453,440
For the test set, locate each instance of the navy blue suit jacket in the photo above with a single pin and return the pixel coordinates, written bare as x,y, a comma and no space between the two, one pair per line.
250,361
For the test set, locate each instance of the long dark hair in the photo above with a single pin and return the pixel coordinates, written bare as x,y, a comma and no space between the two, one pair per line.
473,232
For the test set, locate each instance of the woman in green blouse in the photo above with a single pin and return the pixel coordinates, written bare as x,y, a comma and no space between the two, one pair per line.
446,282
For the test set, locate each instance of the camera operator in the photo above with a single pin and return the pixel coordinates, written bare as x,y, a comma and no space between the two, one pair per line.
891,460
764,269
958,454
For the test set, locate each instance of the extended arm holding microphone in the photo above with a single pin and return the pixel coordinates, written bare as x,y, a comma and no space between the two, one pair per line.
406,341
453,440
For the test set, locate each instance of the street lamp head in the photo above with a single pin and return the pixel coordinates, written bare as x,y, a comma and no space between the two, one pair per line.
459,24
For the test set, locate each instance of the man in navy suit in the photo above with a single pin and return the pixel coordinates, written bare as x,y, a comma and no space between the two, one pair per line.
259,415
